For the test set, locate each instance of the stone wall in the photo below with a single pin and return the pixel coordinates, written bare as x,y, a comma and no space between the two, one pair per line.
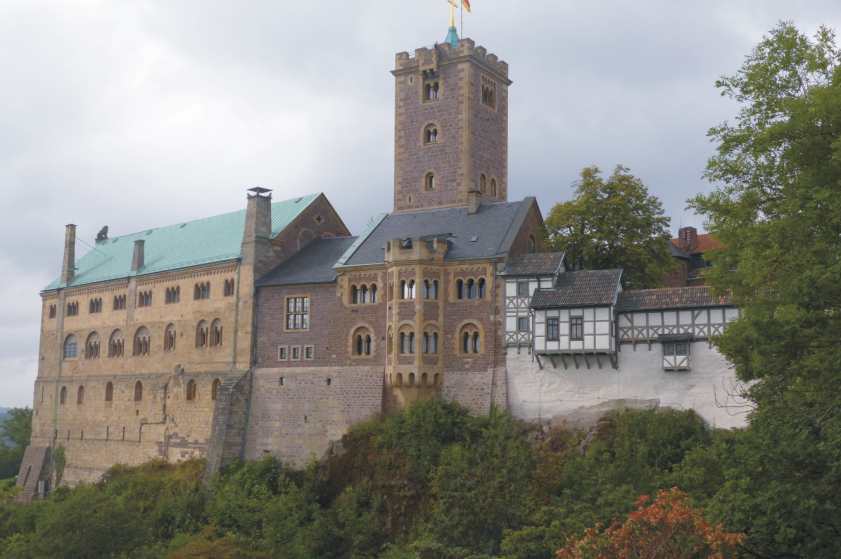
297,412
710,388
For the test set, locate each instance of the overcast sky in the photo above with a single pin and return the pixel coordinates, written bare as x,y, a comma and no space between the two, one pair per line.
138,114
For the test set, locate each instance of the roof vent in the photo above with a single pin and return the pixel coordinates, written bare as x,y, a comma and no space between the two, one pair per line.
182,226
474,239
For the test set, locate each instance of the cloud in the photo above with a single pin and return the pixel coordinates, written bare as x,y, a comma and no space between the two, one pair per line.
142,114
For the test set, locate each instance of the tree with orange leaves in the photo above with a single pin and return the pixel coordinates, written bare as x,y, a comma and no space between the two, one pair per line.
666,528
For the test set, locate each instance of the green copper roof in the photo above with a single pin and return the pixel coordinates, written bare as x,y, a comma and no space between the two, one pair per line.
203,241
452,37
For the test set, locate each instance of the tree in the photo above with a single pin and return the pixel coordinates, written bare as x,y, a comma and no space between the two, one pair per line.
667,528
777,209
15,430
614,223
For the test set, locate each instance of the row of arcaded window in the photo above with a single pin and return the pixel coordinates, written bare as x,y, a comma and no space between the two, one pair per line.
190,392
408,289
487,187
144,298
207,335
363,294
470,288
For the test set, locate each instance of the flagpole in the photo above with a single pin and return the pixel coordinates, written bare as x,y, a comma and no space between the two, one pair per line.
462,19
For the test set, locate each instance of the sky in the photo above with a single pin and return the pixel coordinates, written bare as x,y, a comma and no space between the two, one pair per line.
137,114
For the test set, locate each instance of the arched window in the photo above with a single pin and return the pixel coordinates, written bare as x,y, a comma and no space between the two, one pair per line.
470,339
493,187
430,289
92,346
430,91
142,340
80,395
407,342
429,182
216,333
430,342
109,392
430,134
191,390
389,342
434,292
532,244
481,284
411,289
411,379
373,293
363,294
70,347
436,379
411,342
483,184
399,380
354,295
62,395
403,290
202,333
471,288
169,338
138,391
116,344
424,379
362,341
214,389
460,289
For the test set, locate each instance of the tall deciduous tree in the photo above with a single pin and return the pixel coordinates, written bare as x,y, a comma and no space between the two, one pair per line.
15,429
777,209
613,223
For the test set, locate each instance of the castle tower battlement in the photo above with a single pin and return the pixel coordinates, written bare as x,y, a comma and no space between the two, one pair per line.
451,126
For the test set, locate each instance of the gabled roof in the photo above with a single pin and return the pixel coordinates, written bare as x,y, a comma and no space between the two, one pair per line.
670,298
704,242
537,264
312,264
192,243
488,233
584,288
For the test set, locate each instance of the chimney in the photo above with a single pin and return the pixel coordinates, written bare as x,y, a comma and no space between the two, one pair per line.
68,266
256,239
138,256
688,238
474,200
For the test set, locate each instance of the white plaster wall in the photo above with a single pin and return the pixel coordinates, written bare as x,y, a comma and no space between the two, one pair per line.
710,388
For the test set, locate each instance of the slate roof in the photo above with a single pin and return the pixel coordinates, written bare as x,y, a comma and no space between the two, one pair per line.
192,243
488,233
312,264
670,298
584,288
537,264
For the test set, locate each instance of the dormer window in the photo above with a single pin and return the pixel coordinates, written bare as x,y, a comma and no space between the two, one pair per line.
431,89
430,134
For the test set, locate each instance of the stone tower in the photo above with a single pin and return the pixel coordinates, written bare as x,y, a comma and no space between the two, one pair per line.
451,126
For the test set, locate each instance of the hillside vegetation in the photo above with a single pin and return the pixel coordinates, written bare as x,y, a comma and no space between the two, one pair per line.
432,482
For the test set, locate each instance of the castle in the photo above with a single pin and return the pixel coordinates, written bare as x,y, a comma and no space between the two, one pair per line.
272,330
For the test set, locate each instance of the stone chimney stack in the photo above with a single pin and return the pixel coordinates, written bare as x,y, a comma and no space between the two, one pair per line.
688,238
474,200
68,266
139,256
256,239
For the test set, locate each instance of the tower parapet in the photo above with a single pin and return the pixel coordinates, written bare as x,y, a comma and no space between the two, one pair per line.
426,57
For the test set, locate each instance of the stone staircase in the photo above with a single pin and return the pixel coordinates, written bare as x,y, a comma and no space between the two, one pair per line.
230,418
33,469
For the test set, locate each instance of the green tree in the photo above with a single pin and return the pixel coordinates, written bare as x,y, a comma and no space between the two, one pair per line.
613,223
15,430
777,209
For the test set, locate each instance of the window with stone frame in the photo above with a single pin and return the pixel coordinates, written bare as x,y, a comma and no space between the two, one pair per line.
216,333
95,305
295,353
309,352
483,183
283,353
92,346
116,344
142,342
119,302
493,188
201,290
228,290
80,395
71,347
429,182
52,311
431,90
172,295
430,289
297,313
138,396
470,339
109,392
144,299
191,391
169,338
202,334
430,134
363,342
73,308
430,343
488,92
214,389
576,328
553,329
407,342
62,395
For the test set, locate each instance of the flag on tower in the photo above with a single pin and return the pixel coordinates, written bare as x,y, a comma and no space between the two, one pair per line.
464,4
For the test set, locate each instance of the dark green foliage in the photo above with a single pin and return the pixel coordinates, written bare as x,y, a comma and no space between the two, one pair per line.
433,482
15,430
